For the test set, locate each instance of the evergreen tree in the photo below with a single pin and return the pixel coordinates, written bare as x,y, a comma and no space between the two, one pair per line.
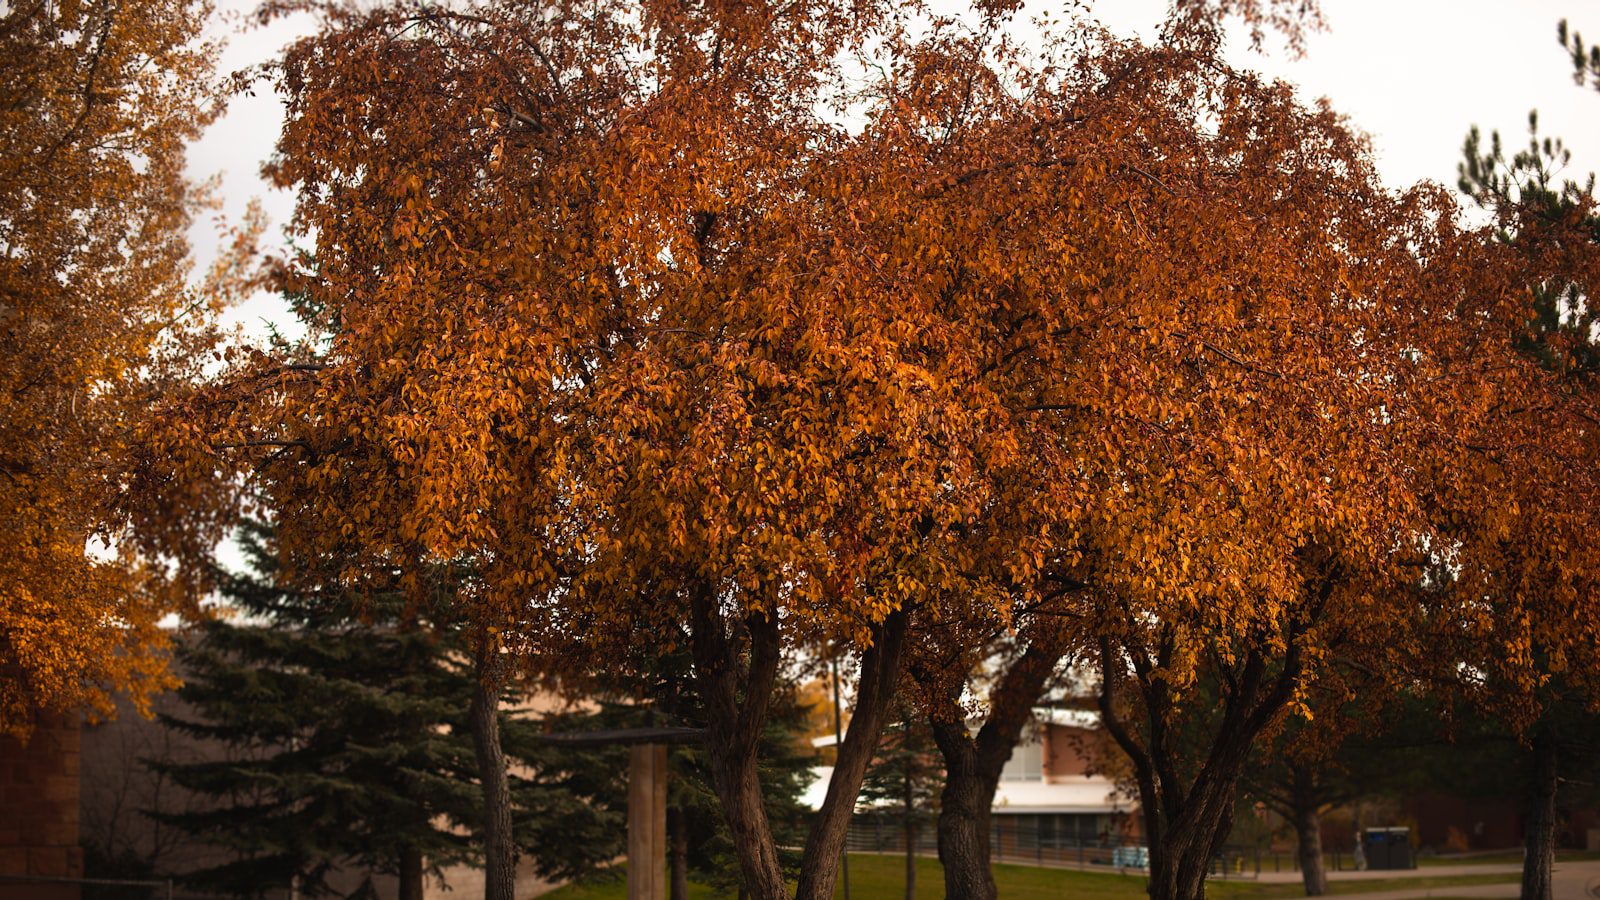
1553,223
349,746
904,779
653,687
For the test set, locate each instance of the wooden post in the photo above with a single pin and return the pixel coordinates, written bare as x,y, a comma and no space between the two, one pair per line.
647,822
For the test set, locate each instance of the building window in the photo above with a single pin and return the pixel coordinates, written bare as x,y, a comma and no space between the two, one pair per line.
1026,763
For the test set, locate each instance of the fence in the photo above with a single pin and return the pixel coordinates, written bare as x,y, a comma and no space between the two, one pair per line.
1026,840
126,888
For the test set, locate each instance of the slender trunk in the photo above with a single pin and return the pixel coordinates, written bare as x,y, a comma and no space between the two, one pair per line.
677,825
911,860
880,673
838,738
1539,834
410,873
911,837
499,854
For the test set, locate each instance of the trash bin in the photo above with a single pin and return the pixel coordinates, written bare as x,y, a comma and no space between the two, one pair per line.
1131,857
1387,848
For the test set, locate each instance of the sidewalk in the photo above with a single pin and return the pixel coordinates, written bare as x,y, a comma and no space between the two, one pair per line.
1576,880
1387,874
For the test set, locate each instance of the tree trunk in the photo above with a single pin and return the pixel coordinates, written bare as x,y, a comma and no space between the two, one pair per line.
1186,821
973,765
964,816
410,871
736,693
1539,834
499,853
911,859
1308,847
880,673
1180,862
677,825
1304,801
911,837
738,786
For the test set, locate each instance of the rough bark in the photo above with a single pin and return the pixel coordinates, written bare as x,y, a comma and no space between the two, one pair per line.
973,764
964,849
678,831
410,872
736,694
1539,834
499,853
1187,820
880,672
1308,832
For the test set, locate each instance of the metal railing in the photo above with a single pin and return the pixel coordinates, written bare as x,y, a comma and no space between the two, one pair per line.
166,889
1018,842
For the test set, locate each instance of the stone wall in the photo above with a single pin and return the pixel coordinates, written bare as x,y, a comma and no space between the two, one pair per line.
39,811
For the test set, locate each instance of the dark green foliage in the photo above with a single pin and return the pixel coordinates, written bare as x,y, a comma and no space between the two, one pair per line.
570,805
653,688
907,773
1530,198
1585,62
348,744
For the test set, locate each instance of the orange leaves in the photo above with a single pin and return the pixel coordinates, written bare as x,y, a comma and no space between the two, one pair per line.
95,318
614,307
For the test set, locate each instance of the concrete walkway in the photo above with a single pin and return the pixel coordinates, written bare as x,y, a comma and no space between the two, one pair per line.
1387,874
1573,881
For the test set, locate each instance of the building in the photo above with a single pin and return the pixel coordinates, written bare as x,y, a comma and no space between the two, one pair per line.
1056,800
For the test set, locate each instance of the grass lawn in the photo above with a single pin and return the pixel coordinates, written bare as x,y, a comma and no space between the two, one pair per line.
875,877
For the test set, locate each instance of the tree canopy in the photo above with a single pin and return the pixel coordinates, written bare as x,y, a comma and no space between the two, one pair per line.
95,315
755,329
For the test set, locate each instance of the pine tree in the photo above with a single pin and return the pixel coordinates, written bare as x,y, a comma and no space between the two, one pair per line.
350,747
905,778
653,687
1552,224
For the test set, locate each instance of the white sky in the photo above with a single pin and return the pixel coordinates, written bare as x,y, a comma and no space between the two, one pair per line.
1413,74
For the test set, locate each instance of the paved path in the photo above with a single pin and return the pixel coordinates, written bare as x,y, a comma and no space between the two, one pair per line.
1572,882
1386,874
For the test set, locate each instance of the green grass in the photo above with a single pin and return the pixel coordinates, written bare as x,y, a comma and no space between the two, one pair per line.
875,877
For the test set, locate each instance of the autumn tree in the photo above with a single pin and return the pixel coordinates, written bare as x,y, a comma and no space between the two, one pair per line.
540,285
1246,455
100,100
1022,666
751,329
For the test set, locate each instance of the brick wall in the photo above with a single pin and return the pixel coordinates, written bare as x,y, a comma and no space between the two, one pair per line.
39,810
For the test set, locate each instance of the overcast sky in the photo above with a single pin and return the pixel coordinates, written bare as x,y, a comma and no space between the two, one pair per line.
1413,74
